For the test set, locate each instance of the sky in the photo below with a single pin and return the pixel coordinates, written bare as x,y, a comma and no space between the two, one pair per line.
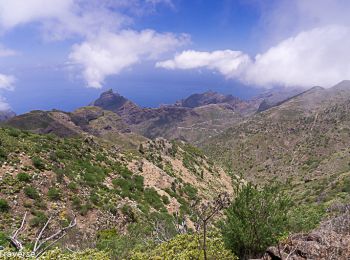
61,54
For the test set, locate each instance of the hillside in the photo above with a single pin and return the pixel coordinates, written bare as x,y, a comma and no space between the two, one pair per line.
192,119
304,141
49,176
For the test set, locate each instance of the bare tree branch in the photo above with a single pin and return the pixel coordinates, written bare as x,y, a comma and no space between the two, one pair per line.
14,240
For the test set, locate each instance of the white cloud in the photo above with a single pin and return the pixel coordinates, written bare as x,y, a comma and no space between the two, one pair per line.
7,82
316,57
109,53
4,106
319,56
227,62
5,52
105,47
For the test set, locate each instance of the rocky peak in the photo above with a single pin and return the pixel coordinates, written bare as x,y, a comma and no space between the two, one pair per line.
115,102
207,98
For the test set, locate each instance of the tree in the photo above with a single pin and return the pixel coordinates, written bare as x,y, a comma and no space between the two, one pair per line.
256,219
206,212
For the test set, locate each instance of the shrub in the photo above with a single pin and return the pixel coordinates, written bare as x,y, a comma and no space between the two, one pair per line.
31,192
76,202
3,239
39,219
3,154
4,206
190,191
73,186
186,247
85,254
165,199
94,198
153,198
24,177
255,220
14,132
305,217
54,194
38,163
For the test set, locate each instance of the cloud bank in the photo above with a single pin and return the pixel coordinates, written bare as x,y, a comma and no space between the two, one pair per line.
110,53
306,44
319,56
105,44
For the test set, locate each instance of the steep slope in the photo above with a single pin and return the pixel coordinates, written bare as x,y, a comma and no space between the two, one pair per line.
104,188
303,141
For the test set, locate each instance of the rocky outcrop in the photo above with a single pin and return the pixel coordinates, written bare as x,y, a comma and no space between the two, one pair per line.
112,101
330,241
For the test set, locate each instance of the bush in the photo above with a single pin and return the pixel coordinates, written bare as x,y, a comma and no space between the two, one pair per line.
24,177
4,206
54,194
85,254
31,192
3,239
186,247
39,219
73,186
153,198
38,163
255,220
3,154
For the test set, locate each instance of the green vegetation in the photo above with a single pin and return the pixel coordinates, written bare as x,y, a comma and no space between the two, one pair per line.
4,206
255,220
187,247
24,177
38,163
54,194
3,239
39,219
31,192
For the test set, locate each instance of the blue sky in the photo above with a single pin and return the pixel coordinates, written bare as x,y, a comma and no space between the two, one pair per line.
63,53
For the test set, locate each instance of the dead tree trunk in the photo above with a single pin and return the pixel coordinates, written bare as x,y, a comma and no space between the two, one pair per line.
14,237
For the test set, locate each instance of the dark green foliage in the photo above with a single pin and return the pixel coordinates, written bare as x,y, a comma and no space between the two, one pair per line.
38,163
129,213
54,194
4,206
153,198
94,198
39,219
256,220
73,186
346,185
3,239
84,209
190,191
304,218
31,192
165,199
3,154
121,246
76,202
131,187
24,177
13,132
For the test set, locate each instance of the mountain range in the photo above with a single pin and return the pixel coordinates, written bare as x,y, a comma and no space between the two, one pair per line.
118,164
